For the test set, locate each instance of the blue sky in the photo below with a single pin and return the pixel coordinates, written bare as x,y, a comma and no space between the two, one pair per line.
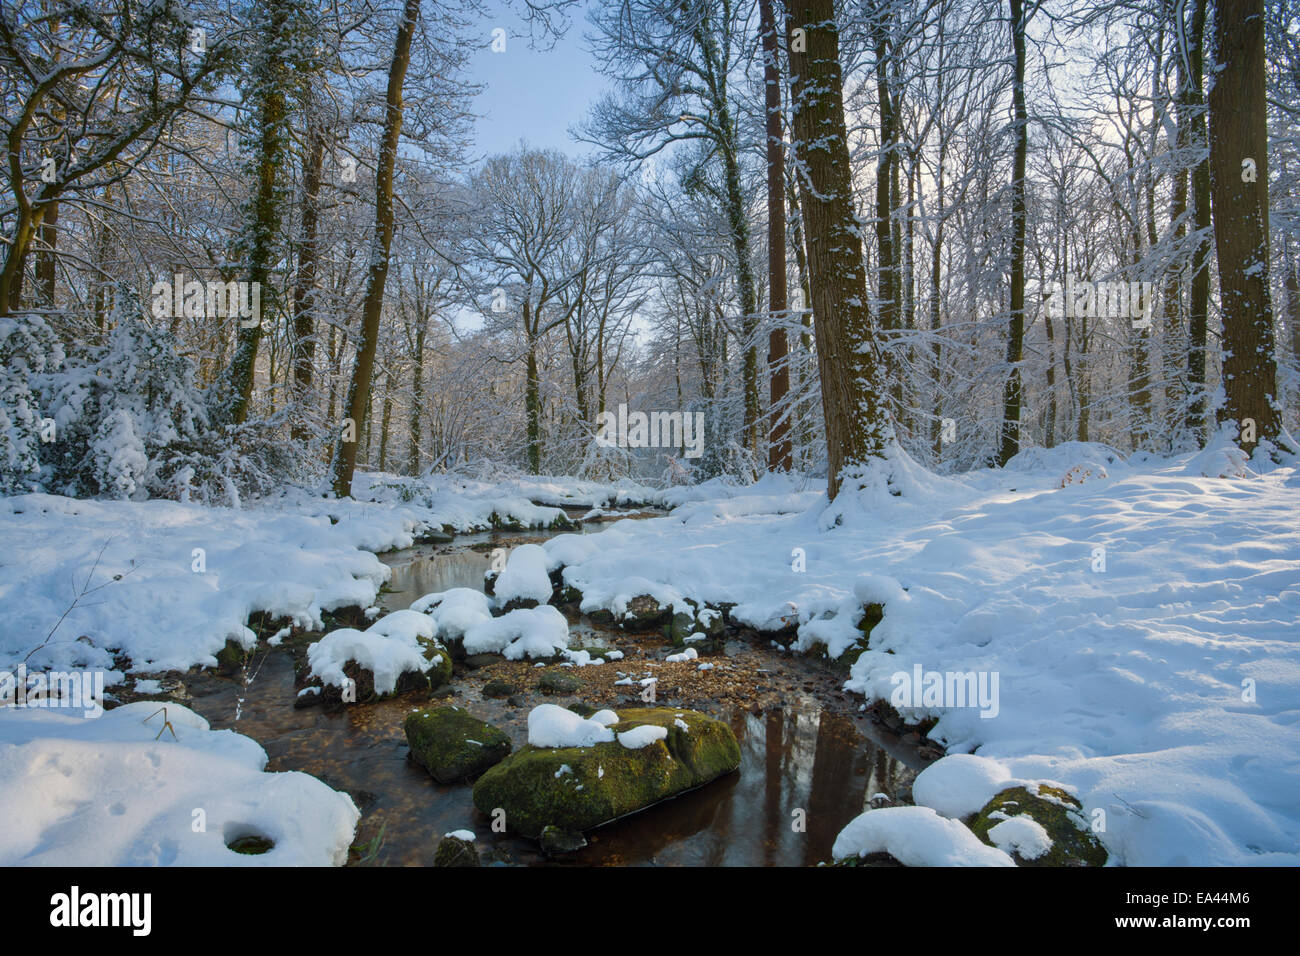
532,94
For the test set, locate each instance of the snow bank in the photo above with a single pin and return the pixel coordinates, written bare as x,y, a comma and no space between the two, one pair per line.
1142,629
104,792
915,836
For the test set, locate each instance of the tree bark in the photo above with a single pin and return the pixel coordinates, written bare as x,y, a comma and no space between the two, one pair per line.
1238,134
1011,400
358,400
858,425
778,447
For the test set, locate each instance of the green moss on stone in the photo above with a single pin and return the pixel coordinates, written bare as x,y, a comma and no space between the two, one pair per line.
1057,812
607,781
452,745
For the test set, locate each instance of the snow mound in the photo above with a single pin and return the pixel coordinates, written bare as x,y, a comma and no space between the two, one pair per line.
960,784
1221,458
455,611
388,649
606,718
552,726
104,792
525,632
1061,459
915,836
524,577
642,736
1022,835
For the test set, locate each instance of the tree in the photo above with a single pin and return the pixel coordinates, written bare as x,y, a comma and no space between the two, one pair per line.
88,96
1016,327
673,61
357,404
858,425
1239,196
778,446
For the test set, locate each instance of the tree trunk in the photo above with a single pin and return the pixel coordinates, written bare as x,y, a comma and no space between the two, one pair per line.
1238,135
1016,332
778,447
1199,309
858,425
304,285
264,209
46,256
358,401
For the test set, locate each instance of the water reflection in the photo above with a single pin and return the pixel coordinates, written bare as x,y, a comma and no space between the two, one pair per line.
804,773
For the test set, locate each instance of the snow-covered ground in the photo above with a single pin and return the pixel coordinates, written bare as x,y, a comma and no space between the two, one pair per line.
140,787
1141,630
1134,633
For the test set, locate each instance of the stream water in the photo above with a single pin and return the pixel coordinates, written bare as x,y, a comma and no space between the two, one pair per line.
805,770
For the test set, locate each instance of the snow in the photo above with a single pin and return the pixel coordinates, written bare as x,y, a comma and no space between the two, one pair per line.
455,611
689,654
552,726
524,632
388,650
1021,834
1161,691
642,736
915,836
606,718
466,835
105,792
960,784
524,576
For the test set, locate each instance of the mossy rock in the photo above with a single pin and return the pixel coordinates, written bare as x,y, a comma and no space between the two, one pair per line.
453,851
230,659
644,613
1057,812
558,682
602,617
607,781
440,672
331,695
555,841
452,745
499,688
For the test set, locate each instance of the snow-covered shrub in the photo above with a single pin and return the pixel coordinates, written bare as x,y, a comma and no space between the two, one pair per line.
28,348
117,408
128,421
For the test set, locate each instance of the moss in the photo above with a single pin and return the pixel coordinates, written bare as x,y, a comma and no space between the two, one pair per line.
1057,812
230,658
452,745
453,851
556,682
607,781
499,688
439,673
643,613
251,845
